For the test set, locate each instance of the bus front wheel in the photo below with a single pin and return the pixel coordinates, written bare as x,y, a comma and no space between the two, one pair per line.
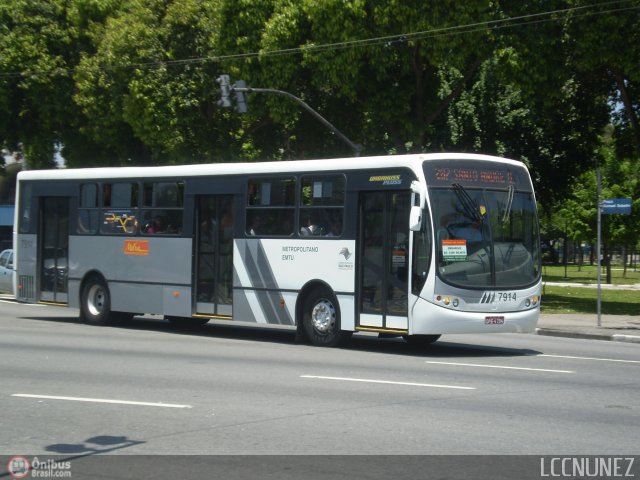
95,307
321,319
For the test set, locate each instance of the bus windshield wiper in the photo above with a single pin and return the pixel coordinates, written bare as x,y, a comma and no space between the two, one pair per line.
508,204
468,204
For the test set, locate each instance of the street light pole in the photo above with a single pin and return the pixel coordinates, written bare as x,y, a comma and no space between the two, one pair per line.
357,148
226,89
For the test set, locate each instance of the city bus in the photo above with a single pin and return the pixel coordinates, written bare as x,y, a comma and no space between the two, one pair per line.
413,246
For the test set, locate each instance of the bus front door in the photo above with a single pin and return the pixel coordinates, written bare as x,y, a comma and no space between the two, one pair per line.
54,249
383,276
214,256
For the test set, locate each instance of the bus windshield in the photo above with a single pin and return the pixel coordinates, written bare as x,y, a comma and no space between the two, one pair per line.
486,235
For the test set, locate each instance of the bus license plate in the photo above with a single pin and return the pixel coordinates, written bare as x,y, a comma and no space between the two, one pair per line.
494,320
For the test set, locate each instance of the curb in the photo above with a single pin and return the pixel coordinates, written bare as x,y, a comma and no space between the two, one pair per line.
618,337
593,336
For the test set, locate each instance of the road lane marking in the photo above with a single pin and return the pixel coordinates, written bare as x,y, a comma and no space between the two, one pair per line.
589,358
386,382
101,400
501,366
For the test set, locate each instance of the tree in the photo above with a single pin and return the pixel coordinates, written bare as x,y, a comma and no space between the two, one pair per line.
390,93
36,56
606,44
619,179
123,82
142,99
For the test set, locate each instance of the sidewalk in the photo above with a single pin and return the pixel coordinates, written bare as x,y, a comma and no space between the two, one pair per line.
621,328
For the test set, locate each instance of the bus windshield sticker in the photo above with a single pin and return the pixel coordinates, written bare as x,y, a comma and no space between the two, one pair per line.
454,250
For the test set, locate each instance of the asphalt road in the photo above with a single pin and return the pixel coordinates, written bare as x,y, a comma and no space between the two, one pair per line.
144,388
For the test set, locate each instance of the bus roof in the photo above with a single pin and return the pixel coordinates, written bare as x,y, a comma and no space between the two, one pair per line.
235,168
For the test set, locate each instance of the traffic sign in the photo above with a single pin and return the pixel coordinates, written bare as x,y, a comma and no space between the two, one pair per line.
621,206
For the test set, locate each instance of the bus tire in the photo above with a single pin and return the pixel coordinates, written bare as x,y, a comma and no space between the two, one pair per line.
321,319
95,302
420,341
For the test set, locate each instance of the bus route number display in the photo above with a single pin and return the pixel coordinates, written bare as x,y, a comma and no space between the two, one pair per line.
473,175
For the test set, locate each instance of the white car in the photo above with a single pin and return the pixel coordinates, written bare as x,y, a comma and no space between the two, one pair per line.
7,272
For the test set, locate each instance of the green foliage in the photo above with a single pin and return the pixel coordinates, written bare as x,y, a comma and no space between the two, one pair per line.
118,82
36,51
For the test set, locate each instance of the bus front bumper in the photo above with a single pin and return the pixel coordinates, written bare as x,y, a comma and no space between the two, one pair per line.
430,319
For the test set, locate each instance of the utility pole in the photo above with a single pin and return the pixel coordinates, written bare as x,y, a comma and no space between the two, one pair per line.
239,88
598,247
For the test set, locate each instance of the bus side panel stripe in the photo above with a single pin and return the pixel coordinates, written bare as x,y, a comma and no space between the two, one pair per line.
251,260
255,272
242,309
272,298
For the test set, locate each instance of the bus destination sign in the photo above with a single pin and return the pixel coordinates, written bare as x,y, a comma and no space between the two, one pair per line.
474,173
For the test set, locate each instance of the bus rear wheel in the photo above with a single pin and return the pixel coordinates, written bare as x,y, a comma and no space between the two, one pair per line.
95,304
321,319
421,341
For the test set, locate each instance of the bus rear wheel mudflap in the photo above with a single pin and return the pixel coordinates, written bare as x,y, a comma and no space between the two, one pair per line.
321,319
95,302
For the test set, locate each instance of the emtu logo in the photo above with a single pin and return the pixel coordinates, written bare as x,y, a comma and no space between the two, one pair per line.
346,253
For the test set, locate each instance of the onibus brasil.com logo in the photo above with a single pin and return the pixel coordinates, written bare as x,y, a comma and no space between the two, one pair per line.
21,467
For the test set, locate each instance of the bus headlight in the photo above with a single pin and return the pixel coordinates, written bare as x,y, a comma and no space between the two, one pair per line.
447,301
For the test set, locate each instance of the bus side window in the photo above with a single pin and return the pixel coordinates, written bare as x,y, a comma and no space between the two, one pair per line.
163,208
88,213
322,199
270,206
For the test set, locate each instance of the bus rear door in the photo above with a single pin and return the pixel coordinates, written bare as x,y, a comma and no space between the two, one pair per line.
214,255
54,249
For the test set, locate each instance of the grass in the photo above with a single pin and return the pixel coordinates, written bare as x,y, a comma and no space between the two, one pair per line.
589,274
557,299
584,300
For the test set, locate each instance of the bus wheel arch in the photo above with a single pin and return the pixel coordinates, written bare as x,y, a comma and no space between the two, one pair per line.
318,315
95,299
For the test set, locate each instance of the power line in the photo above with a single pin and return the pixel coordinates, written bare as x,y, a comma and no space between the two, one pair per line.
510,22
398,38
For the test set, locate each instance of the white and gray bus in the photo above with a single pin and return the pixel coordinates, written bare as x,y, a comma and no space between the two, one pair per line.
413,245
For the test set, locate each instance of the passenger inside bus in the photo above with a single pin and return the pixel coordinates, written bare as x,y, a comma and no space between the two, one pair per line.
157,225
255,222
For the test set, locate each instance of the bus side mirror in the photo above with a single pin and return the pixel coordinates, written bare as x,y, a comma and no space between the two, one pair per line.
415,218
418,195
418,200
